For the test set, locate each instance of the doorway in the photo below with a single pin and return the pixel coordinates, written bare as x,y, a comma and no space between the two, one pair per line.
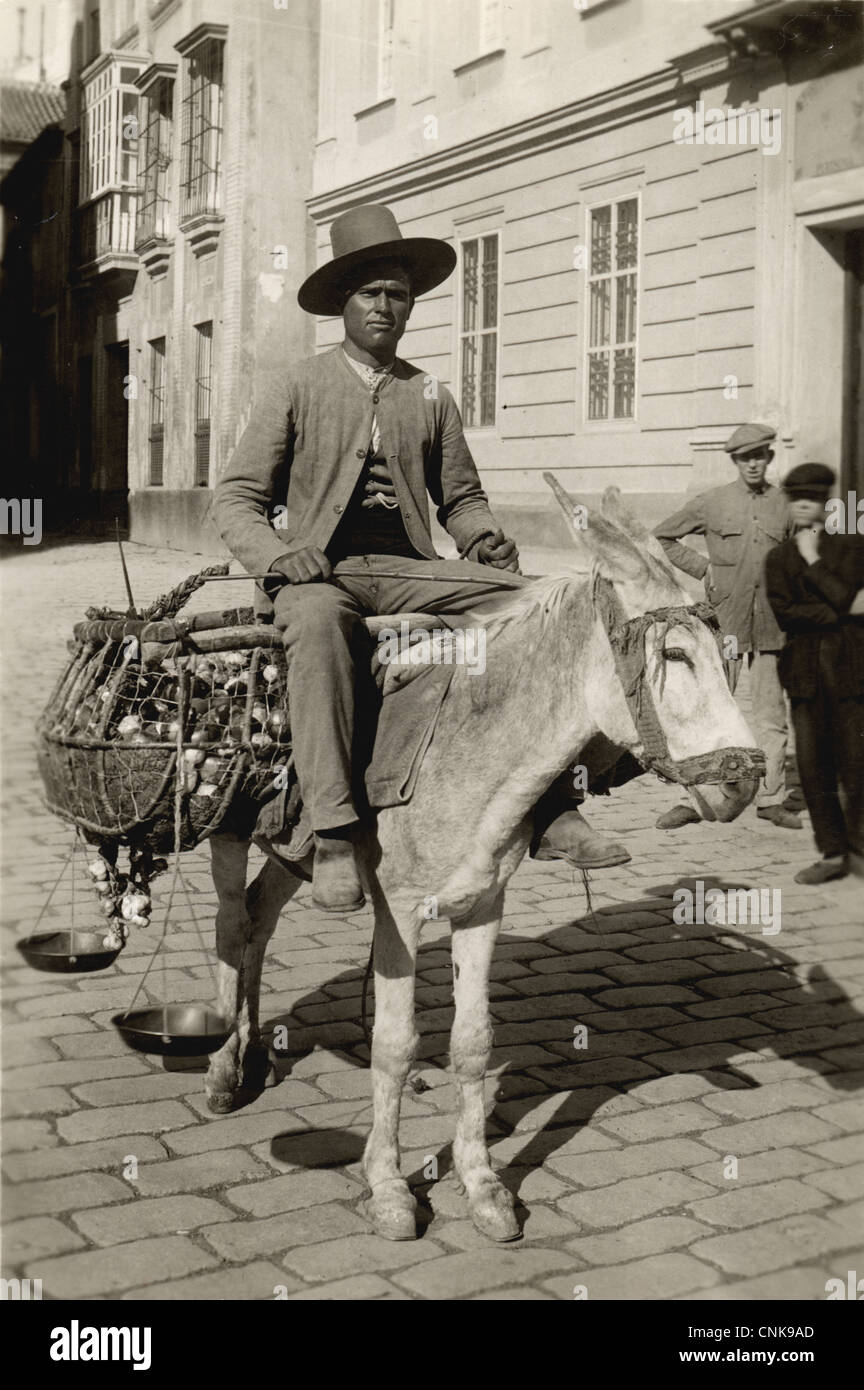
852,457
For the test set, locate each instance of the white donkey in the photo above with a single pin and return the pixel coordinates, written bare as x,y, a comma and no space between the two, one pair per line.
616,657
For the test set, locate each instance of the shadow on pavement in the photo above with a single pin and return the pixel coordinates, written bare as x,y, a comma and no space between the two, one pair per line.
742,984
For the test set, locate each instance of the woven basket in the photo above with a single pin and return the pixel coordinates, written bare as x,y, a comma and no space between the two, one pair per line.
138,700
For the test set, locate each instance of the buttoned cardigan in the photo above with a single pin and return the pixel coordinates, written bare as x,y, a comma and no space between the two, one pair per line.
298,461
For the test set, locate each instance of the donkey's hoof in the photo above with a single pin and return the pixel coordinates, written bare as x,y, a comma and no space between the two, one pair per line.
258,1068
493,1215
393,1211
220,1102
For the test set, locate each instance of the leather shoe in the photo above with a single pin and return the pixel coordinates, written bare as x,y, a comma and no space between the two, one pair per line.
678,816
786,820
336,884
824,870
570,837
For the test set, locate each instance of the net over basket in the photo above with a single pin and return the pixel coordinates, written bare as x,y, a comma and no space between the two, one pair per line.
141,700
159,731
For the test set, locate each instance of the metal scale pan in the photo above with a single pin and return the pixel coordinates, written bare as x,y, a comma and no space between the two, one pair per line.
173,1030
67,951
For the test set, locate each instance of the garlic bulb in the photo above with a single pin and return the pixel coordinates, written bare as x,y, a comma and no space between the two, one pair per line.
134,905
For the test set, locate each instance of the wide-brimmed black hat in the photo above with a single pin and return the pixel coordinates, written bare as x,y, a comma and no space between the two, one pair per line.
371,233
809,480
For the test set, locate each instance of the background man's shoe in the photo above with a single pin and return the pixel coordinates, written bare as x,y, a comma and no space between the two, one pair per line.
777,816
570,837
824,870
678,816
336,884
795,800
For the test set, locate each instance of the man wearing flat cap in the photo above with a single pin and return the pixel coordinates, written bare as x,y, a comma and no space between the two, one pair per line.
815,585
741,521
348,450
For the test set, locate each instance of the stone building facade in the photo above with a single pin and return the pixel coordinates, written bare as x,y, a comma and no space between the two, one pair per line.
189,140
640,270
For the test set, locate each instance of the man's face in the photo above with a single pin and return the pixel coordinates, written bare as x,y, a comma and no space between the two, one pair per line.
806,511
377,310
752,466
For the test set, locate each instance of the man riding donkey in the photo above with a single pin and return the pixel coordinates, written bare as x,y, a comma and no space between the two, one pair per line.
348,449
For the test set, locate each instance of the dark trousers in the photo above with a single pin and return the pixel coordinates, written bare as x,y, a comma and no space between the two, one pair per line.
328,649
829,742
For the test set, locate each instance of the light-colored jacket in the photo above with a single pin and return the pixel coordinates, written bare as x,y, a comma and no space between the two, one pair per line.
740,527
304,449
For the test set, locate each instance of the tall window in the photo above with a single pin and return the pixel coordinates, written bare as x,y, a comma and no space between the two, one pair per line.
154,207
203,396
478,330
157,411
202,127
613,288
386,18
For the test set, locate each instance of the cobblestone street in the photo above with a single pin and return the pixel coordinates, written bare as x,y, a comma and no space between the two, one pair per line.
705,1144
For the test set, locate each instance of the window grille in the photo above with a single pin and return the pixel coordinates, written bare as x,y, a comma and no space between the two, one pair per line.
478,319
202,128
154,208
203,397
613,289
157,412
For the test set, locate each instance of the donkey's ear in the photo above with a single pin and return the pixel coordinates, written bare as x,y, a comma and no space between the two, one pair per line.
616,510
616,556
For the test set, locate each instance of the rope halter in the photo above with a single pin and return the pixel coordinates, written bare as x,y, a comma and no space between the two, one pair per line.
627,640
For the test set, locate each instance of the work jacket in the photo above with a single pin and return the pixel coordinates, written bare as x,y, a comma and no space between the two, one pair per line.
740,527
292,475
812,606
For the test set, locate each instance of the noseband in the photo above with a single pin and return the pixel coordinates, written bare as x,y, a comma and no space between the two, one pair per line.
627,640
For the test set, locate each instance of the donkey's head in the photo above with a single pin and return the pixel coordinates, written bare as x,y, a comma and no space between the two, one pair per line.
667,700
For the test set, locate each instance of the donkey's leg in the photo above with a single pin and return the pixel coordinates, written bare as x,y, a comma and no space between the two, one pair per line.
265,898
391,1208
489,1202
228,858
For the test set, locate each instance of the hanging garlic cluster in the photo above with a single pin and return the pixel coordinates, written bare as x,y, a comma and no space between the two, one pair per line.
124,899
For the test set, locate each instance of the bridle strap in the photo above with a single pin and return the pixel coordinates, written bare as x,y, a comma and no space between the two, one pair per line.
627,640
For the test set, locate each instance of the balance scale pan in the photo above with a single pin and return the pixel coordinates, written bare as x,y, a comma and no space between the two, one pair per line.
175,1030
65,952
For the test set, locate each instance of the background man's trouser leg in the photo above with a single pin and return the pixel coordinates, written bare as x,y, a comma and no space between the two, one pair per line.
769,725
814,744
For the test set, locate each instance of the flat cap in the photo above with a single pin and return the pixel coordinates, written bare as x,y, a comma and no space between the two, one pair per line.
749,437
809,480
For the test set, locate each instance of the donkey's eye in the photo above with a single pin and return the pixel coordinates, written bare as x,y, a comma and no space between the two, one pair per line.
676,654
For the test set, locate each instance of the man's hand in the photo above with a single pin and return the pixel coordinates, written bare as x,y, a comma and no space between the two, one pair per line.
498,551
379,480
807,542
304,566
